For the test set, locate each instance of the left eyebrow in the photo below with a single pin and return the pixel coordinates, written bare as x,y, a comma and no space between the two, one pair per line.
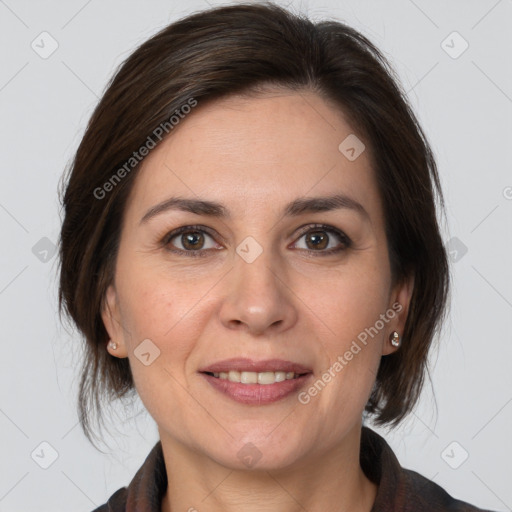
324,204
297,207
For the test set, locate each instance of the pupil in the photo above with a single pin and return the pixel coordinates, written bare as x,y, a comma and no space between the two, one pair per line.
318,239
191,240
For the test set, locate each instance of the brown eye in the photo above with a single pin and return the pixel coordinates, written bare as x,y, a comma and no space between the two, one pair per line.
192,240
317,240
323,240
189,239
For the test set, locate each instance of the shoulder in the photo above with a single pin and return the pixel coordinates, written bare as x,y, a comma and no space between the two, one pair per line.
400,489
145,491
116,503
419,493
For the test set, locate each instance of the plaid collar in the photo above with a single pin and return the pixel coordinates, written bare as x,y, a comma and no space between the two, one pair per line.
399,490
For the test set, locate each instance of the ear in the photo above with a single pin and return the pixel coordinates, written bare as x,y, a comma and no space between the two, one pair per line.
400,299
110,315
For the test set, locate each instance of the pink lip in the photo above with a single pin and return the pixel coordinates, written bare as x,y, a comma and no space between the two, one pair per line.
257,394
244,364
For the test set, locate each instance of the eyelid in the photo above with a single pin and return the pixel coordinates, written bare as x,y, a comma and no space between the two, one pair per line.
165,241
344,238
190,227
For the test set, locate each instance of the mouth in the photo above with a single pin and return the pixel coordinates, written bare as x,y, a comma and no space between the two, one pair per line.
256,382
263,378
244,364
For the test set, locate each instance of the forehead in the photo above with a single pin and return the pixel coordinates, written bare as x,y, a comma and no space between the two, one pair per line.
260,150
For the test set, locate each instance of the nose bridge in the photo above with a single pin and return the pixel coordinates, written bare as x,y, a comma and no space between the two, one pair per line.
255,271
256,295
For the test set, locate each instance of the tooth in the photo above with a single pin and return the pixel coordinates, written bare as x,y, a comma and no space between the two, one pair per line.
280,376
255,377
266,378
249,378
234,376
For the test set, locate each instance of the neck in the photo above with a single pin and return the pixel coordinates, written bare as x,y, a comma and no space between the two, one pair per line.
329,481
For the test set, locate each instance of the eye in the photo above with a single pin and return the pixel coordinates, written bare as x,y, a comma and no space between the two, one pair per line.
323,239
189,239
197,240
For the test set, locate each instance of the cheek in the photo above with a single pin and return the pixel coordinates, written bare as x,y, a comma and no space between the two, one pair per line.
348,316
350,301
157,303
155,309
172,314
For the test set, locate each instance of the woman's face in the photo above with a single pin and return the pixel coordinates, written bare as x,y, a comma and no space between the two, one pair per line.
270,271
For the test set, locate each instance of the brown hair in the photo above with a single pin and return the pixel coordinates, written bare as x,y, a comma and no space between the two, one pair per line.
233,50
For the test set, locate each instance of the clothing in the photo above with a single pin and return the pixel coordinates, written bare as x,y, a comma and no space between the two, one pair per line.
399,490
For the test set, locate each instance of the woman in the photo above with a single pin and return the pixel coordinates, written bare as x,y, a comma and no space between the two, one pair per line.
250,242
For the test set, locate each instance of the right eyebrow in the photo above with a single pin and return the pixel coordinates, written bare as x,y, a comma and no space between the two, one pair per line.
199,207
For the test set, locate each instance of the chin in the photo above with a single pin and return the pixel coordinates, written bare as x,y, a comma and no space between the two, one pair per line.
258,452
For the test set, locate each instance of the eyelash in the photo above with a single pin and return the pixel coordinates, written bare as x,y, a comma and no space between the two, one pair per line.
346,242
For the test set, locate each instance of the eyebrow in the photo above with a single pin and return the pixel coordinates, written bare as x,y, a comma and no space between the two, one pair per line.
297,207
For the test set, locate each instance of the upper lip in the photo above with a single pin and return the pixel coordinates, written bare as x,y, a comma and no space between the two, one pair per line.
244,364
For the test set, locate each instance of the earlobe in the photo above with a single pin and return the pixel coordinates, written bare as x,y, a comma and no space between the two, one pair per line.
109,311
400,302
403,297
112,323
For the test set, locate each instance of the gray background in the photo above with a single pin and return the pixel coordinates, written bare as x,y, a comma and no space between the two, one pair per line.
464,101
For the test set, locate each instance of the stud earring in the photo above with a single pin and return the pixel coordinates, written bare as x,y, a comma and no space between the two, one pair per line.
112,345
394,338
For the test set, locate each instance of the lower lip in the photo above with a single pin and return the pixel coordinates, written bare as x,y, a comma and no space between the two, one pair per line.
257,394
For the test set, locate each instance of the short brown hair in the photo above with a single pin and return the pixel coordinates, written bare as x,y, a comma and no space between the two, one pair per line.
234,50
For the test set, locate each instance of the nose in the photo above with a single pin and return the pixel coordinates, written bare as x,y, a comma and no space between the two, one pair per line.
257,297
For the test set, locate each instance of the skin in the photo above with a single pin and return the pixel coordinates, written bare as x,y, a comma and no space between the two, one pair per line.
254,155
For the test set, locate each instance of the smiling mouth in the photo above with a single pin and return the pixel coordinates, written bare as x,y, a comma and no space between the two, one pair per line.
264,378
